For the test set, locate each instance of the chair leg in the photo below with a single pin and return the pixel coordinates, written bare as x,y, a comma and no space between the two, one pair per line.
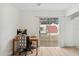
26,53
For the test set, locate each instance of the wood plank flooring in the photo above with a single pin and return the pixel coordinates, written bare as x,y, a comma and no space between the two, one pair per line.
48,43
56,51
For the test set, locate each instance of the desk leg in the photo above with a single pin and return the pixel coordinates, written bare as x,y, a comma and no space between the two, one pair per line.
37,48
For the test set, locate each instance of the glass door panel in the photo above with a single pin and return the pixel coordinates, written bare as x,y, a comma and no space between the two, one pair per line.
48,29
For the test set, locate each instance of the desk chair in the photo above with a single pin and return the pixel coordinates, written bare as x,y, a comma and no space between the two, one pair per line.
25,45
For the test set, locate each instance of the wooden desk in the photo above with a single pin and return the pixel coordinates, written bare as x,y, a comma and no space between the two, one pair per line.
36,40
16,40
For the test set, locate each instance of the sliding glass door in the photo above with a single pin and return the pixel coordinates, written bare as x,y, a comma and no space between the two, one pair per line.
48,31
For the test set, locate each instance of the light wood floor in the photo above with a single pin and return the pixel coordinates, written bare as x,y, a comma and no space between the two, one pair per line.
48,43
56,51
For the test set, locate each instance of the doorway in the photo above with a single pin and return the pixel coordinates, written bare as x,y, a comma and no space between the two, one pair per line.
49,31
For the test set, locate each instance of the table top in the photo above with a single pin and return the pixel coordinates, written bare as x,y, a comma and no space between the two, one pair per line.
34,39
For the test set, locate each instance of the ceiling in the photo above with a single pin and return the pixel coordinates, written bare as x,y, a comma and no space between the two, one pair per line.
45,6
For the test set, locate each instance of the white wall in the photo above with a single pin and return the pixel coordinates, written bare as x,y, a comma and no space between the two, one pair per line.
76,31
69,32
72,31
0,29
69,40
10,18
